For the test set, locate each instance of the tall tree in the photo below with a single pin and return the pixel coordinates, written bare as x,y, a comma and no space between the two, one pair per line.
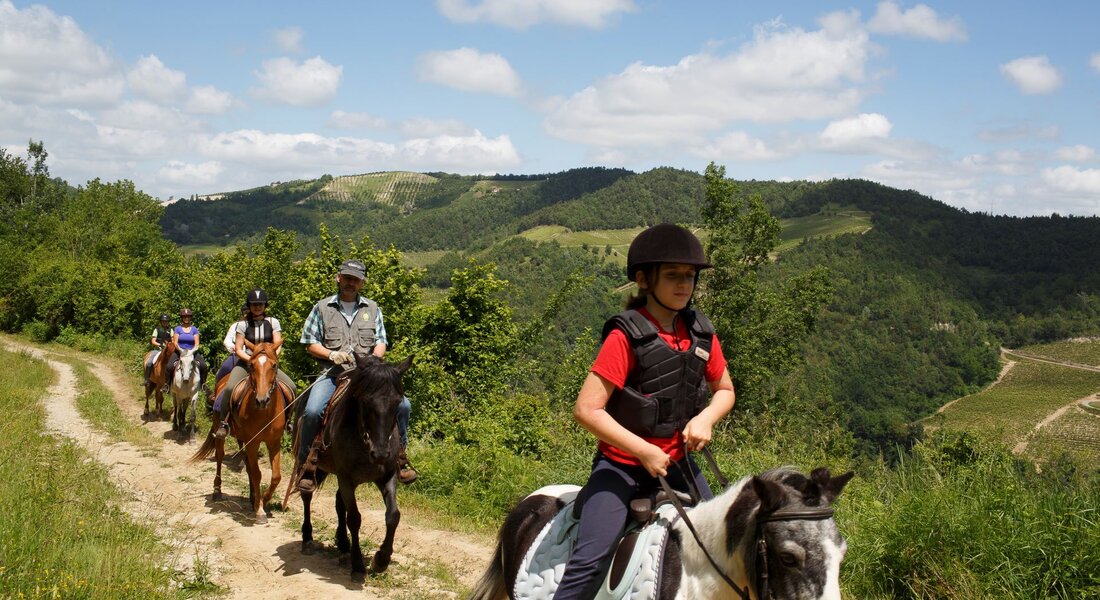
760,322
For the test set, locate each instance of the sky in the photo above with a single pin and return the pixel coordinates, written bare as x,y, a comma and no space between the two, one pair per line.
988,106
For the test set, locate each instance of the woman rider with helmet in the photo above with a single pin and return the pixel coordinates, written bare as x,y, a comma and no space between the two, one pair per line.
230,344
645,398
185,336
257,327
160,336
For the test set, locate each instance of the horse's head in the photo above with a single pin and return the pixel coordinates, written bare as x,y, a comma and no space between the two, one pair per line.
263,369
377,390
797,548
185,369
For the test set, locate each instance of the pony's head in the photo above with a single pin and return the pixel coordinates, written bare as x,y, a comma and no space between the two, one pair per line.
263,369
377,390
185,368
782,522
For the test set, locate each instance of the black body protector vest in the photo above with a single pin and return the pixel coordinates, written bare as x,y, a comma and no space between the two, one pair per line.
667,387
163,335
259,331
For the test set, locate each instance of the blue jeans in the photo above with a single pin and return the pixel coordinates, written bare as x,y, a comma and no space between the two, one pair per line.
319,397
604,503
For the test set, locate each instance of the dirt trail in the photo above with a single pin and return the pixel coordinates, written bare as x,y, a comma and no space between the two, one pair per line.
254,561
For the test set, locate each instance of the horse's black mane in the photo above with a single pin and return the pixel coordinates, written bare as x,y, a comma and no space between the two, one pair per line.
371,376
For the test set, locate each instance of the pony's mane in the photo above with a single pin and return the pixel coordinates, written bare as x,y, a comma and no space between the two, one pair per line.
371,376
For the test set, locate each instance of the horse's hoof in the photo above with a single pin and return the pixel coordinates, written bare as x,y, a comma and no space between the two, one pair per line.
217,495
261,518
379,563
307,548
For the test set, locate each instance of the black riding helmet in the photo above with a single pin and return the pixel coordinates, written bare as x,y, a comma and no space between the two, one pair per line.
164,317
665,243
256,296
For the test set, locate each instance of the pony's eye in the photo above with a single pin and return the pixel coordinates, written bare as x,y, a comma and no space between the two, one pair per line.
789,560
792,555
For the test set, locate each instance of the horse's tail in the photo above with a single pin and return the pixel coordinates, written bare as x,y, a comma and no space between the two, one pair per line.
491,584
207,447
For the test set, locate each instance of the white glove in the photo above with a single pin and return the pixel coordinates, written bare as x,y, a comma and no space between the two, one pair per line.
340,358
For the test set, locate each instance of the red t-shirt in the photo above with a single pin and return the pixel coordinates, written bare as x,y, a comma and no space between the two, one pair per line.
616,360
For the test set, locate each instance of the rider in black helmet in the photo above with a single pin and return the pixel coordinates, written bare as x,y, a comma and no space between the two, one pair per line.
654,393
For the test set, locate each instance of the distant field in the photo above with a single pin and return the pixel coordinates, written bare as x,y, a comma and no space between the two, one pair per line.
1031,393
395,188
831,222
422,258
197,249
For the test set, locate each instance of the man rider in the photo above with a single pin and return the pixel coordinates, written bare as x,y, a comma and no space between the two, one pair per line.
337,328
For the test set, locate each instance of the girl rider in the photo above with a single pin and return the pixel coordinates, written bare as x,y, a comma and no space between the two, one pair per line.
160,336
257,327
185,336
644,398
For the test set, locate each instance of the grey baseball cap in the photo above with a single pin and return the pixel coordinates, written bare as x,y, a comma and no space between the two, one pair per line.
353,268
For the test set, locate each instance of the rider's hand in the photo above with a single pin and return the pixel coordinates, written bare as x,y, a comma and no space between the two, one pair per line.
340,357
697,433
655,460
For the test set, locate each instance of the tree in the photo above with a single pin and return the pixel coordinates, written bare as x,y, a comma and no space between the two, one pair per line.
760,323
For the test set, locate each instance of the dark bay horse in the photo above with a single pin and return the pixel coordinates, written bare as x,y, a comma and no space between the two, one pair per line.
362,446
158,376
766,537
257,416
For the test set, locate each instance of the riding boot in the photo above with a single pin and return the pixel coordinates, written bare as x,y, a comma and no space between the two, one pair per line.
308,481
223,430
406,474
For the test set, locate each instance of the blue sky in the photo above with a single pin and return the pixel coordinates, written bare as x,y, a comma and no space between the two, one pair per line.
988,106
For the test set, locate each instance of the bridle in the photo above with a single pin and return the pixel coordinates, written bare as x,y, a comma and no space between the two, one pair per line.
760,580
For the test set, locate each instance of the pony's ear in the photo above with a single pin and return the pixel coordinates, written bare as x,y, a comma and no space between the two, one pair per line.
250,345
405,364
362,360
831,488
771,494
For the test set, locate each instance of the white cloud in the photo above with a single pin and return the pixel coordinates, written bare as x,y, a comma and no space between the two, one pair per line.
424,128
151,79
1078,154
1011,163
178,172
1033,74
339,119
852,132
1020,132
47,58
305,153
468,70
737,145
289,39
209,100
918,22
1094,60
310,83
782,75
1071,180
520,14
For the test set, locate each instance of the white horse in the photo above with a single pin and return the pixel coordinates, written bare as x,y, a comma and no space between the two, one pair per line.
185,391
767,536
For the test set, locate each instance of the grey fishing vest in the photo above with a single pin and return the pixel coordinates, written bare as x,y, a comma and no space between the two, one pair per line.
359,337
667,387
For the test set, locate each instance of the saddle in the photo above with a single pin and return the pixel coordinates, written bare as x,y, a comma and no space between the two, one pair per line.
320,446
635,569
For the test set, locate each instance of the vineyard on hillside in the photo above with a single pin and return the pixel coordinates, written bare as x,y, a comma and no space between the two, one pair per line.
393,188
1038,407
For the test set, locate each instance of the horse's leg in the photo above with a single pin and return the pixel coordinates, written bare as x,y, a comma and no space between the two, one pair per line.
342,540
219,456
354,521
274,452
252,465
307,525
149,387
381,558
194,426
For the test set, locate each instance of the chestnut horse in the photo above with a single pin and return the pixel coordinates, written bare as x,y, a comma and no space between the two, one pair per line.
257,415
158,374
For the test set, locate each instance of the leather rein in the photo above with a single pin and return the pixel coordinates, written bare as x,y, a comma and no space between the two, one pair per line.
763,589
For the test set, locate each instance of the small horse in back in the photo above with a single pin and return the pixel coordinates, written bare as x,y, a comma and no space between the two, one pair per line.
258,416
361,444
768,536
158,373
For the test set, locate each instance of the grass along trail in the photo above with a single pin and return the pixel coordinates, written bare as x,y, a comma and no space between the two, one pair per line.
218,539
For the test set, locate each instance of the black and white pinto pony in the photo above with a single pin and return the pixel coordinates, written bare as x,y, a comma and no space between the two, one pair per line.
184,389
768,536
